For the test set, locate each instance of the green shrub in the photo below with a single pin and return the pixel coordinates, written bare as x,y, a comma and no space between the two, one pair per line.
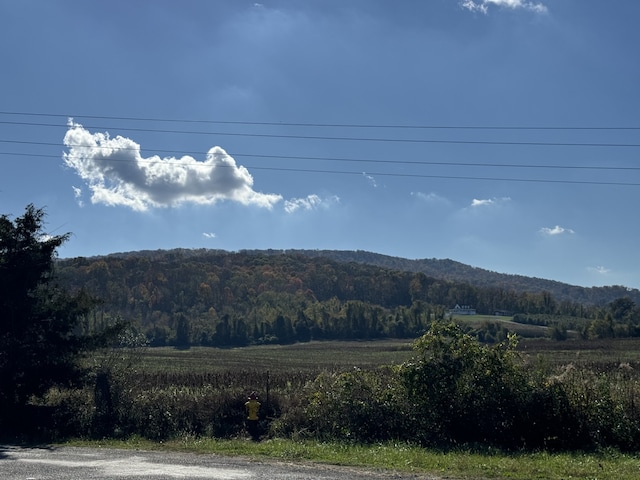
71,412
606,403
166,412
356,405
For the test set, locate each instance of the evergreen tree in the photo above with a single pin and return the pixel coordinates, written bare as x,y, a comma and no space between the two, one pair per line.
183,331
40,323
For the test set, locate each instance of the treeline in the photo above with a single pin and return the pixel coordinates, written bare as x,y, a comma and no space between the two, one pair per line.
217,298
619,319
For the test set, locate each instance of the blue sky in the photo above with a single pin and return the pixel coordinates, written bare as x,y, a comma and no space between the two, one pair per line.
503,134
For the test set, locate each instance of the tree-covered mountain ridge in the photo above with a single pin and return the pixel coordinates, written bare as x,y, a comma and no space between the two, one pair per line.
441,269
447,269
214,297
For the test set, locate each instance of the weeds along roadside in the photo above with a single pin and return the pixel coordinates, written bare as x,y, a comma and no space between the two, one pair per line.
533,406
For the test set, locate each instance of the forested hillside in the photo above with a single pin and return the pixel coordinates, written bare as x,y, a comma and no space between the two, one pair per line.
207,297
447,269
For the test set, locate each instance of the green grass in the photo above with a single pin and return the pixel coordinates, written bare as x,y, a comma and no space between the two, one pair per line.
524,330
406,458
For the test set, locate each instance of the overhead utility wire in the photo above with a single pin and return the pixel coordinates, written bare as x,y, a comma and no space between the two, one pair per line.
531,180
354,160
327,125
413,175
356,139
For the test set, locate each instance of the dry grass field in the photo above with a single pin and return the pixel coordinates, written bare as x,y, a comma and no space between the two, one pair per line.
315,357
309,357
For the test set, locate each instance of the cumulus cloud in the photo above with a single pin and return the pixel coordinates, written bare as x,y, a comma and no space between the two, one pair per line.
209,235
557,230
599,270
117,174
483,6
310,202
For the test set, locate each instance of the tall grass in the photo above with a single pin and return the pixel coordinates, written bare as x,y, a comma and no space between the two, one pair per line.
585,406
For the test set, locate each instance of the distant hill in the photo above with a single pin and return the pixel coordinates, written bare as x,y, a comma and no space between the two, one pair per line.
441,269
186,297
458,272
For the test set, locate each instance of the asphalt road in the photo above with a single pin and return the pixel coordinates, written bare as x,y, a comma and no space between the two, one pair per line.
74,463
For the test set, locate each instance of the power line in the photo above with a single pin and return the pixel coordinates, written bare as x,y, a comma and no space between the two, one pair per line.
357,160
392,174
451,177
352,139
324,125
347,138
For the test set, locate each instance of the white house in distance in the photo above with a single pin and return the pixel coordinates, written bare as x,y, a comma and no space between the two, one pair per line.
462,310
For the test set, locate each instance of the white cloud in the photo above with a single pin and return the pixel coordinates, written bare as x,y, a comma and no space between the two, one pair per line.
371,180
310,202
432,198
77,193
600,270
475,203
482,6
209,235
480,203
117,174
557,230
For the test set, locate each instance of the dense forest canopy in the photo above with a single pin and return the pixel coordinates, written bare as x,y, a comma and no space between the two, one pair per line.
211,297
447,269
